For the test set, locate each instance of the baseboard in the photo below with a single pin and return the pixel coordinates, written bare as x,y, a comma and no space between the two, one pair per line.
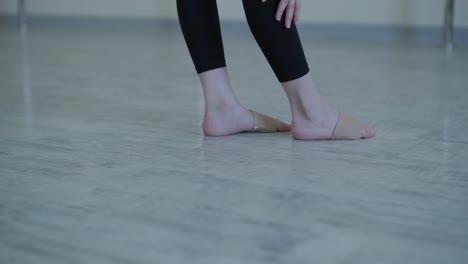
418,34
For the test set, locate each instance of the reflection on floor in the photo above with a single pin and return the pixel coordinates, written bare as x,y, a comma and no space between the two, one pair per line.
102,159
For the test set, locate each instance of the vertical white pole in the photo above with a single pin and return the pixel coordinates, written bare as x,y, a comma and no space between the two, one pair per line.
448,25
21,13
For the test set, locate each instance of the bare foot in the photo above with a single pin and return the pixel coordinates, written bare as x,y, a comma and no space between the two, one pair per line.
320,125
227,120
314,119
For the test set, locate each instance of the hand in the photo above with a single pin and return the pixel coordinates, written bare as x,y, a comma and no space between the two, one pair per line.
292,9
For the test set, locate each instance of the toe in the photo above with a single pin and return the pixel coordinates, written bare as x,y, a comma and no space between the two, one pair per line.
266,123
279,125
369,132
283,127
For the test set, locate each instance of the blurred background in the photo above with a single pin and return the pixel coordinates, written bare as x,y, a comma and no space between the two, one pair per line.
102,159
382,12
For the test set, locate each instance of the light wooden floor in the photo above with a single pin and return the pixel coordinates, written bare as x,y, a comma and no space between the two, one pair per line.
102,159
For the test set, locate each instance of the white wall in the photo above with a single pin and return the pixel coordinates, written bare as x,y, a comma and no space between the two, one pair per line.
380,12
104,8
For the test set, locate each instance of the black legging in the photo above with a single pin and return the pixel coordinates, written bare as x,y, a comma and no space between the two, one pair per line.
199,21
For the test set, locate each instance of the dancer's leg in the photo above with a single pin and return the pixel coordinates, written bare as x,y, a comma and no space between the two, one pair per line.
224,115
313,118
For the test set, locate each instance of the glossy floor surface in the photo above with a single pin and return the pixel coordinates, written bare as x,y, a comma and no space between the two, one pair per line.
102,159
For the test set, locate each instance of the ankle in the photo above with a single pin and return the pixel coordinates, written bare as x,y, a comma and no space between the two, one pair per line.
304,99
222,106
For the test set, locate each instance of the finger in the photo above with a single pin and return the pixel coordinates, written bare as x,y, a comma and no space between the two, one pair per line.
281,7
297,12
289,14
